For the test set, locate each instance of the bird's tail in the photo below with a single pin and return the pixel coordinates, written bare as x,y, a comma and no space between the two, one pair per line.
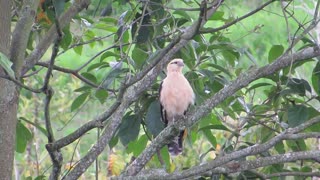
176,145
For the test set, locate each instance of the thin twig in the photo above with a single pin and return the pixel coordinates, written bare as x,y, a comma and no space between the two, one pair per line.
56,156
316,12
22,85
86,42
211,30
73,72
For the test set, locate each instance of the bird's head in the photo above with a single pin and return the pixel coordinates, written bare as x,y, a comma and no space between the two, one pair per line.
175,65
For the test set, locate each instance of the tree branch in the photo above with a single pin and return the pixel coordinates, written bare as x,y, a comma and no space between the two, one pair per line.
240,166
211,30
21,34
227,163
69,71
130,95
207,106
51,35
252,150
295,174
22,85
264,161
56,156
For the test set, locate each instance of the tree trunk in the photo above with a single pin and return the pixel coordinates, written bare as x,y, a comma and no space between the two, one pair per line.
8,99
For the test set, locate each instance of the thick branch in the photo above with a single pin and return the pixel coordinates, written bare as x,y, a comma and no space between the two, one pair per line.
294,174
253,150
265,161
228,164
240,166
21,34
252,74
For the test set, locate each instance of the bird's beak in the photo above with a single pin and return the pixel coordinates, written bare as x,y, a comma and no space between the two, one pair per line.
180,63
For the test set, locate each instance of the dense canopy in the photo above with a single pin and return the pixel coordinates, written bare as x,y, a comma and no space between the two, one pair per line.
79,88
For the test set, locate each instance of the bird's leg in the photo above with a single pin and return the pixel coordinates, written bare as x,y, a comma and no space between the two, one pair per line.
173,121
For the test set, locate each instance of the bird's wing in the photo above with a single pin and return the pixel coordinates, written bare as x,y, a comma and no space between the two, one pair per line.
162,110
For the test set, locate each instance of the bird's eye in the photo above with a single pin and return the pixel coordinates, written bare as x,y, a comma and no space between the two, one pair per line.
175,62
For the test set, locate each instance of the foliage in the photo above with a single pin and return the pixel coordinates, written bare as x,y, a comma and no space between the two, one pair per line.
99,56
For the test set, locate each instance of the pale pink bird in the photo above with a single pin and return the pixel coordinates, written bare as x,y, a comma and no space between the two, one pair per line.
176,95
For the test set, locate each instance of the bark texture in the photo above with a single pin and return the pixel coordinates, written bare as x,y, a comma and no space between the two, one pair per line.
8,99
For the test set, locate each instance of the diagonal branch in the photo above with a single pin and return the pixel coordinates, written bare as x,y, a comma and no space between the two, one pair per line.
206,107
227,163
69,71
241,166
21,34
265,161
211,30
294,174
51,35
130,95
56,156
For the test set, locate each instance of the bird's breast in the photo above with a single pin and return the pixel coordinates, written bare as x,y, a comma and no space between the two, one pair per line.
176,95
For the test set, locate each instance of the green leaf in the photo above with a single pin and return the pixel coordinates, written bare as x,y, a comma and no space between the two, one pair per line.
297,114
306,169
83,88
79,101
41,177
112,75
255,86
23,135
139,56
97,65
109,54
109,20
43,130
182,14
165,156
275,52
58,6
89,76
217,126
280,147
229,51
260,109
6,64
205,66
78,49
218,15
265,134
298,86
136,147
106,27
210,137
129,129
316,78
296,145
188,54
101,95
114,141
66,39
89,34
153,118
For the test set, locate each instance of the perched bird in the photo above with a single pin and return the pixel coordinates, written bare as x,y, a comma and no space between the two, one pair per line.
176,95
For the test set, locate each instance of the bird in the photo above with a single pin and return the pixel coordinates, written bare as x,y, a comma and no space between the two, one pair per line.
176,95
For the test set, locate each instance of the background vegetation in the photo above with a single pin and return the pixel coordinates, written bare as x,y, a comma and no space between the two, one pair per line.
88,89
